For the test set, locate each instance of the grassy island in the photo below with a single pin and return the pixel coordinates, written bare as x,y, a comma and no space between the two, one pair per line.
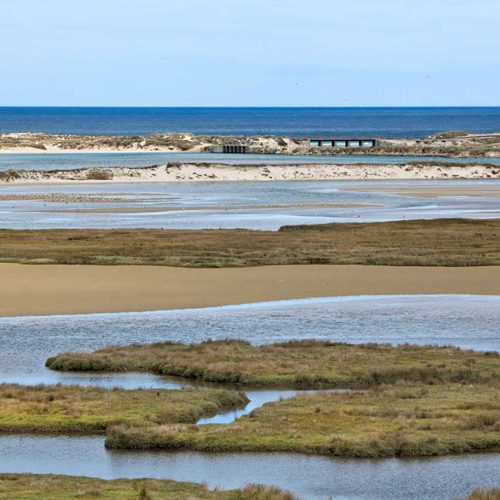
420,420
417,401
52,487
74,409
302,364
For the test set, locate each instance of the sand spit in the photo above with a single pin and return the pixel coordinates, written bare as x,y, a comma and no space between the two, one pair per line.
454,143
29,290
211,172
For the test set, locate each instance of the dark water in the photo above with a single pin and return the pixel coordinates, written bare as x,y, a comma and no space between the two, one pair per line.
297,122
71,161
309,477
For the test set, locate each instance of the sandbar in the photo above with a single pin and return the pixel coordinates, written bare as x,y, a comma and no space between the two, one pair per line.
38,290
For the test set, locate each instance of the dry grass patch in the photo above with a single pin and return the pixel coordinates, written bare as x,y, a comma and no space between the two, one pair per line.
443,242
301,364
74,409
392,421
483,494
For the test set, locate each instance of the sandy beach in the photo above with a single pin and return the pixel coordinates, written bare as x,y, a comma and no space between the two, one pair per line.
213,172
27,290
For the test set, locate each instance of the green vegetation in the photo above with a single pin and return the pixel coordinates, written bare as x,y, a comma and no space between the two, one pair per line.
99,174
10,175
422,400
442,242
304,364
73,409
418,420
50,487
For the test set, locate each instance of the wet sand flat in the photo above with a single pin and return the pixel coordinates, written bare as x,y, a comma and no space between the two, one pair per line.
430,191
62,289
215,208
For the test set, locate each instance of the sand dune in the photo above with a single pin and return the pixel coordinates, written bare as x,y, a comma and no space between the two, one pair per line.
212,172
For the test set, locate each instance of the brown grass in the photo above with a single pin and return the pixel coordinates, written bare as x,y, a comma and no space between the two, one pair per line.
51,487
484,494
444,242
73,409
418,420
299,363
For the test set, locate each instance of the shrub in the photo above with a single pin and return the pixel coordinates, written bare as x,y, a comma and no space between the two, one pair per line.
97,174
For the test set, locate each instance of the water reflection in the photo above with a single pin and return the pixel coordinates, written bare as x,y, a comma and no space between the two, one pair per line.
252,205
466,321
307,476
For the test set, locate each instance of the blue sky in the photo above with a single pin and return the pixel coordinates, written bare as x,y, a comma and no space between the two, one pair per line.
249,53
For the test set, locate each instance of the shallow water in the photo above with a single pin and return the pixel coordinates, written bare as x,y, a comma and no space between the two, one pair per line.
257,399
467,321
70,161
307,476
252,205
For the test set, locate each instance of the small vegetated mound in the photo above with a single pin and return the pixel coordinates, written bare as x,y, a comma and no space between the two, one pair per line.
48,486
449,134
484,494
99,174
10,175
417,420
77,409
300,364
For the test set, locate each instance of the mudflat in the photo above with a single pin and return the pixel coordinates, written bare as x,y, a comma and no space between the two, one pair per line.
28,290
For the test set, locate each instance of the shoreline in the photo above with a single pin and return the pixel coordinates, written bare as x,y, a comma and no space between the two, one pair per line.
43,290
222,172
449,144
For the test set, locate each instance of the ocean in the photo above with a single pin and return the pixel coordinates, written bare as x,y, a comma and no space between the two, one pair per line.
295,122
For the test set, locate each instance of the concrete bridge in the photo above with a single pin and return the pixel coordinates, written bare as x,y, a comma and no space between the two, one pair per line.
344,143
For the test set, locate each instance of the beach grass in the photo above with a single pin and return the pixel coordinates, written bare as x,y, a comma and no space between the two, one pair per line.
442,242
417,420
53,487
298,364
485,494
75,409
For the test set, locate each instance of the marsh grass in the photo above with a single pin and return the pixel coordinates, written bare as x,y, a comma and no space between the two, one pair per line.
74,409
418,420
52,487
299,364
443,242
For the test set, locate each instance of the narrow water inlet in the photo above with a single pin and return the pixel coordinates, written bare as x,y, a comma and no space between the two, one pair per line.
257,399
308,476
